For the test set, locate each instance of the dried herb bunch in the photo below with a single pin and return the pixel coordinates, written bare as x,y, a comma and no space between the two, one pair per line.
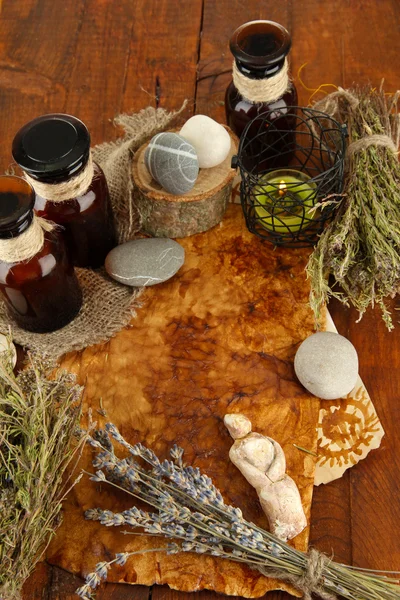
361,246
191,511
38,420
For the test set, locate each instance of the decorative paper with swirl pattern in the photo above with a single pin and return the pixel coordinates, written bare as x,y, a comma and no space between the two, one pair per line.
348,430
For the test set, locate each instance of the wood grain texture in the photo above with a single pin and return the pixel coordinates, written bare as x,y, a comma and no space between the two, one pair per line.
161,67
96,57
375,485
52,583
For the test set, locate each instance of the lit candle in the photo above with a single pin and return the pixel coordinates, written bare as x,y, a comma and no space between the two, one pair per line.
283,201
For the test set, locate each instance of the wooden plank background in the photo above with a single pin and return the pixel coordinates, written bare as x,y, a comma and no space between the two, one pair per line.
96,58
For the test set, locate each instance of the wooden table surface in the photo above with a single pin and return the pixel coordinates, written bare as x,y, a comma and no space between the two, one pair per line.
96,58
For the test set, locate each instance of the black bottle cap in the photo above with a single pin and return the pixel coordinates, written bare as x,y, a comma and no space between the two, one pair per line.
17,199
260,48
52,147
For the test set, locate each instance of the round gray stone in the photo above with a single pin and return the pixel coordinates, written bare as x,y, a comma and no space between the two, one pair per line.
145,262
326,364
172,162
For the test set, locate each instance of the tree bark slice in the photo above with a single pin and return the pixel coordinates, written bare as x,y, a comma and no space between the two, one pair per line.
166,215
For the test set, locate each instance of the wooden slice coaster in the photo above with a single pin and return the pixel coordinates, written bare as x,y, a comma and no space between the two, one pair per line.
166,215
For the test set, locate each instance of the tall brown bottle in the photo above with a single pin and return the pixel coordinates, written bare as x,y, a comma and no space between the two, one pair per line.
39,287
261,86
54,152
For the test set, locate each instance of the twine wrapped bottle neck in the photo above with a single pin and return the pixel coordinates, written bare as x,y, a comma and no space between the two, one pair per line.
266,90
24,246
66,190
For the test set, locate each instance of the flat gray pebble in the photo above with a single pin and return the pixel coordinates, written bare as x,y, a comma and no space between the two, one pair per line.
172,162
144,262
326,363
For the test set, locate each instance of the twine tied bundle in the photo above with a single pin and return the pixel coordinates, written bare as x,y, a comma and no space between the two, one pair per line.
311,581
209,526
360,247
371,140
27,244
267,90
331,106
65,190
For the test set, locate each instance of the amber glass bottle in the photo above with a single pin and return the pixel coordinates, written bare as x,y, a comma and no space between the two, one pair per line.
262,85
42,292
54,152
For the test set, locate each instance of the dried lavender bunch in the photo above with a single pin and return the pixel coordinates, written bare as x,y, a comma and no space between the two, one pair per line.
188,509
38,421
361,246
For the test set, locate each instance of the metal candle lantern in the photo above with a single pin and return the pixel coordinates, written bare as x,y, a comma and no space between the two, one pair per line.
292,176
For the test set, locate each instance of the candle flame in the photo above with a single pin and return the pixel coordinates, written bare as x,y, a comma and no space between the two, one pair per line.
282,188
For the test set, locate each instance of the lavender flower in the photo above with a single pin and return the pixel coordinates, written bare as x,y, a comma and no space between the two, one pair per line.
121,558
101,569
93,514
176,454
92,580
107,518
236,514
173,549
102,461
187,546
136,517
113,432
186,506
101,435
99,476
200,548
94,443
84,592
155,528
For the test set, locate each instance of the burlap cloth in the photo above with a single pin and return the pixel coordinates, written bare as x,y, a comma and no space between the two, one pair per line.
107,305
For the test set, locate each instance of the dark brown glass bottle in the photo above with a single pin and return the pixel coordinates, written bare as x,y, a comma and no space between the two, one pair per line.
260,49
54,149
42,293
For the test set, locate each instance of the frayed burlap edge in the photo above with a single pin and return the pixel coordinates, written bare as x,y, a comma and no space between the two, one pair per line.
107,305
115,158
107,308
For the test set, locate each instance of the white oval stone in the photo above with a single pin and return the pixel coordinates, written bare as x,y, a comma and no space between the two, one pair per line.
172,162
144,262
326,363
211,140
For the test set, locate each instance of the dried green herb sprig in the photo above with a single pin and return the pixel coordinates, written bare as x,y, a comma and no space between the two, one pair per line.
38,422
191,511
361,246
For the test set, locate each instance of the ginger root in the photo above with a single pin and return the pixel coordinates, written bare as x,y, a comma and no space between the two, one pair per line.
262,462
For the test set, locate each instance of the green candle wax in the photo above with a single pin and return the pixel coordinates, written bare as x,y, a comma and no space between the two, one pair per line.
283,202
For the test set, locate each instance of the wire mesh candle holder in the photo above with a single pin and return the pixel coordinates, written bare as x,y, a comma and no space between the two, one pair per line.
292,171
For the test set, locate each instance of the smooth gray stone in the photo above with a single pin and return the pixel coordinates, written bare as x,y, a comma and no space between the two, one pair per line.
172,162
144,262
326,364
